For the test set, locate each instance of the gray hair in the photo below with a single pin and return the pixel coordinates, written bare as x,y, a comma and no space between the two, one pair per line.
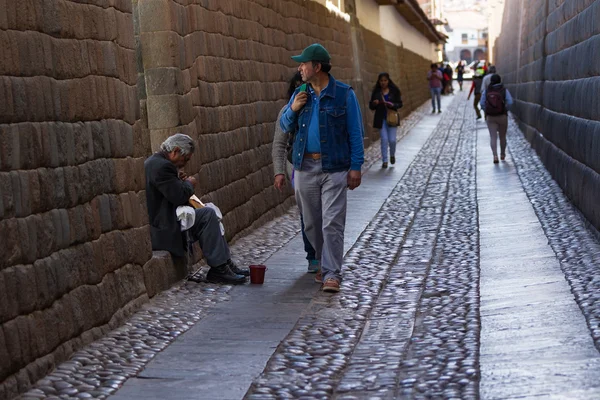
179,141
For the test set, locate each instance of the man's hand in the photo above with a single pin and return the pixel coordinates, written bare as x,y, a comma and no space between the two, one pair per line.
279,182
299,101
376,102
353,179
389,104
182,175
191,180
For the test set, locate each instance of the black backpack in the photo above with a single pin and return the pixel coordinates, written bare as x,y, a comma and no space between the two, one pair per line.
495,101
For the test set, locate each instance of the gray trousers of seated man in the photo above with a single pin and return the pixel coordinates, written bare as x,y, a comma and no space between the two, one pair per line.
207,232
321,197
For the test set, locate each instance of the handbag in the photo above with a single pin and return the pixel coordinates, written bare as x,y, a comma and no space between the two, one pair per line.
393,116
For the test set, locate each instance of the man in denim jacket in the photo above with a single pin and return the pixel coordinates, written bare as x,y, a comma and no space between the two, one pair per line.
327,155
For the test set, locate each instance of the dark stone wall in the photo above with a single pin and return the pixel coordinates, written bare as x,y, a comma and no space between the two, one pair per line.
547,54
88,89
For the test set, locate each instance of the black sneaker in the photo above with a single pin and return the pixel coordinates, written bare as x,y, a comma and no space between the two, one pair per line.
392,160
384,165
224,274
237,270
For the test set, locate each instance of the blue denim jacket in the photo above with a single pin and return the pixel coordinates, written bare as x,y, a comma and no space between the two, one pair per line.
341,128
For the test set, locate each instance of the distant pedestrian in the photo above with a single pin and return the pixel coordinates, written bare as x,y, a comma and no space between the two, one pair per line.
385,97
282,166
486,79
496,101
434,76
476,88
460,70
328,154
448,77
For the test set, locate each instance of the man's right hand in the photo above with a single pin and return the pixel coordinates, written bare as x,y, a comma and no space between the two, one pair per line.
299,101
279,182
191,180
376,102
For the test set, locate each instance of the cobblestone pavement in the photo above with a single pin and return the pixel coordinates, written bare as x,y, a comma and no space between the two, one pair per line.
406,297
102,367
576,244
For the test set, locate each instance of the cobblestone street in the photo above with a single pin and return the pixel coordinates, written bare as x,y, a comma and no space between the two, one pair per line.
463,279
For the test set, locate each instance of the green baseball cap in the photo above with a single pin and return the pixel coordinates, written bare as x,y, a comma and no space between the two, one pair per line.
314,52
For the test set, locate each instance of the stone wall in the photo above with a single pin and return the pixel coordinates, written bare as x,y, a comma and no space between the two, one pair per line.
547,54
71,180
88,89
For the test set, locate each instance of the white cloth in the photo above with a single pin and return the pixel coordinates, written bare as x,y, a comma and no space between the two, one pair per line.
219,215
186,215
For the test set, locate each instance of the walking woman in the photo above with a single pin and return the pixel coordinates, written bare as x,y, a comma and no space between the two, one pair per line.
282,166
496,101
460,70
434,76
386,96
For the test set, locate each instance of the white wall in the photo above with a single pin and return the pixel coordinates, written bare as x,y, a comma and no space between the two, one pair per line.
397,30
455,39
367,12
389,24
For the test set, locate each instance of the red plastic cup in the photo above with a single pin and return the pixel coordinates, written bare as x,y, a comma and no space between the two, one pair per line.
257,274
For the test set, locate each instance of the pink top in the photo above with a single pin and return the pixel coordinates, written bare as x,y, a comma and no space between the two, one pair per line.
436,79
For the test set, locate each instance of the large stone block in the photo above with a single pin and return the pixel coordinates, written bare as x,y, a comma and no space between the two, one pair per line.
10,305
13,345
26,288
161,81
162,49
163,111
155,15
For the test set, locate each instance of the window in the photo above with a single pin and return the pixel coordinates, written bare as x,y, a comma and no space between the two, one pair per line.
465,38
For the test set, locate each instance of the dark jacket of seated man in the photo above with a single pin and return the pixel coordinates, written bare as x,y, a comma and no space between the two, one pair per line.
167,188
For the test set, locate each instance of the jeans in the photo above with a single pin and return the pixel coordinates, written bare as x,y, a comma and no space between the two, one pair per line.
310,251
388,137
436,94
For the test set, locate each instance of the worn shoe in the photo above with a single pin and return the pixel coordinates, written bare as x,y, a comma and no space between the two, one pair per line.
224,274
502,156
433,111
313,266
392,160
237,270
384,165
439,111
496,160
319,277
331,286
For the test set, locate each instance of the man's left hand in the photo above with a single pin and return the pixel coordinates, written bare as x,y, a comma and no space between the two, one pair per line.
354,178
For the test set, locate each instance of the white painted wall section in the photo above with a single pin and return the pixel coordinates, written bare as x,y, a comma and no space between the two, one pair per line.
367,12
396,29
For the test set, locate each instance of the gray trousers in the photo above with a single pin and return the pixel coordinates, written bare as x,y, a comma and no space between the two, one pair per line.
497,125
321,198
207,232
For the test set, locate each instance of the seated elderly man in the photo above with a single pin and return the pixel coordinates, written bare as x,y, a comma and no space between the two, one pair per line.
167,188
